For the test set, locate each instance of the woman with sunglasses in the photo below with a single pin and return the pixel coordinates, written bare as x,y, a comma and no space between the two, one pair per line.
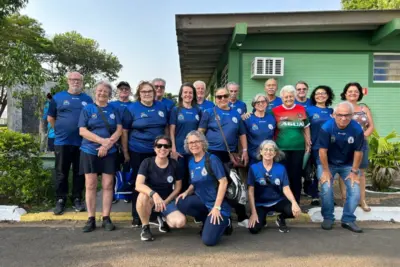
301,94
269,190
260,126
183,119
148,119
234,131
318,113
158,183
205,198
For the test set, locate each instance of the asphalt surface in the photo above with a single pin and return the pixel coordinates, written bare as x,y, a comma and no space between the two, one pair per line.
64,244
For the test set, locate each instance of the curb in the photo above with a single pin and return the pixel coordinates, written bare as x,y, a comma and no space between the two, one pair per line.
11,213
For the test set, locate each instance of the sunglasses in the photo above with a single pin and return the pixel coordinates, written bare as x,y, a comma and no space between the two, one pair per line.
301,89
166,146
221,96
159,86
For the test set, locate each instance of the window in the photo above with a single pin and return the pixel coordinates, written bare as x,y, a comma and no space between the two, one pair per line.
386,68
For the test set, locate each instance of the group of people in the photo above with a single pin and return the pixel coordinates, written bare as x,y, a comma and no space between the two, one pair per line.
177,153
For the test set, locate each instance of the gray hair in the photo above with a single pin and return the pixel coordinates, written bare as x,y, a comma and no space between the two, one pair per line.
199,135
106,84
344,103
279,153
200,82
221,88
253,102
70,72
231,83
288,89
159,80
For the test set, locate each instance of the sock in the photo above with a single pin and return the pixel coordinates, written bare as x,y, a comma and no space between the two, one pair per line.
91,218
106,218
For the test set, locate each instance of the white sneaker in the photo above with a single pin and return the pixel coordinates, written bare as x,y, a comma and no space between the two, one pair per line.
244,223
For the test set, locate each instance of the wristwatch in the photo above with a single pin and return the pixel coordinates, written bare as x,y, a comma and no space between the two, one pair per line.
152,193
354,171
218,207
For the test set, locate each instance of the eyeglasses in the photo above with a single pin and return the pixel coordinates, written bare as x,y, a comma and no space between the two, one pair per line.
166,146
194,142
269,150
75,80
353,92
321,93
260,102
302,89
147,92
219,97
124,89
344,116
159,86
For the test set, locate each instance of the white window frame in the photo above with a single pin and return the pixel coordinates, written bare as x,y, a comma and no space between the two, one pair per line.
373,68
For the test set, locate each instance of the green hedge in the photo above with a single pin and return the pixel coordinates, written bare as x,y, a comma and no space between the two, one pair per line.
22,177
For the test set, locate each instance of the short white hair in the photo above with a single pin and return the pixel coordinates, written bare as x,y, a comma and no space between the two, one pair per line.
288,89
344,103
200,82
230,84
106,84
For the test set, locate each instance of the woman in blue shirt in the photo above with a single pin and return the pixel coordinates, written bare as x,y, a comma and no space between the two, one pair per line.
260,126
205,197
318,113
269,190
183,119
234,131
100,126
148,119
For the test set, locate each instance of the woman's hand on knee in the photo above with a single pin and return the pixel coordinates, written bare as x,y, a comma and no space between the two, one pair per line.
253,220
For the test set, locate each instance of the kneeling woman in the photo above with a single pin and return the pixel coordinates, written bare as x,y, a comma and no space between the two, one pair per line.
269,190
158,183
208,203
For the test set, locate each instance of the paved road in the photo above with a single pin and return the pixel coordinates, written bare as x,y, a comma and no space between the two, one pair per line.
63,244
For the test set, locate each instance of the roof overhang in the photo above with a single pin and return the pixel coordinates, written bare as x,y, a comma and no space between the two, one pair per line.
203,38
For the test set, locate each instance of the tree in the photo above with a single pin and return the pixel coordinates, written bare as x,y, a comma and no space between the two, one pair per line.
370,4
8,7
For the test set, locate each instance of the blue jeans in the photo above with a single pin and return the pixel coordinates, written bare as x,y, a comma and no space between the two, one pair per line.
326,193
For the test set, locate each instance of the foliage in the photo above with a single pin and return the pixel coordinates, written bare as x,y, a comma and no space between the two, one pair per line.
172,97
8,7
22,177
384,157
370,4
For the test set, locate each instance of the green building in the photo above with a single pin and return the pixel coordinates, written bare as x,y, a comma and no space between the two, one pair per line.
322,48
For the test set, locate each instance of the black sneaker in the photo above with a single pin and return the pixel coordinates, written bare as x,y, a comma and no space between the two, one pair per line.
136,223
163,226
281,223
327,224
60,207
78,205
108,225
90,226
352,227
315,202
229,228
115,201
146,234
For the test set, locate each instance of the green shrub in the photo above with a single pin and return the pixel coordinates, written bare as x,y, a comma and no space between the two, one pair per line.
22,177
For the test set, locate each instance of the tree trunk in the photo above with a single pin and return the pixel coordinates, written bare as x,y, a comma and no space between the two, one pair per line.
3,100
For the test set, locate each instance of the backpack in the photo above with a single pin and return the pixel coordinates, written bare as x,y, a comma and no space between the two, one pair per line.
236,191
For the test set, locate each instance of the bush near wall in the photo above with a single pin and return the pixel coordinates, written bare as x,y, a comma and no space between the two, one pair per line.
22,177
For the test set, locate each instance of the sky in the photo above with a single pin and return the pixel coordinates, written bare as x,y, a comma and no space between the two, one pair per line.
142,33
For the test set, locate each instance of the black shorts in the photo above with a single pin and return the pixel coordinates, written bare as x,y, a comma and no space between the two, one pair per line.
50,144
93,164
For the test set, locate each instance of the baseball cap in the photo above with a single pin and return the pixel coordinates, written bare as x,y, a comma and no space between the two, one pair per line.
123,84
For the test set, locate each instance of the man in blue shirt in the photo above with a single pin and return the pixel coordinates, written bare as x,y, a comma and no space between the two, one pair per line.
235,103
63,115
159,85
270,88
201,92
301,94
340,145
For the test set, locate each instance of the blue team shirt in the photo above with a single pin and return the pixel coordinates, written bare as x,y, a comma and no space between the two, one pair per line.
91,119
258,130
206,105
146,123
168,103
317,117
122,110
305,104
50,130
187,120
240,106
267,194
205,185
275,103
66,109
341,143
231,123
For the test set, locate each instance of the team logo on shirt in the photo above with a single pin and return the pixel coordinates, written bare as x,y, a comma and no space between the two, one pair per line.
170,179
315,116
350,140
204,172
84,103
192,174
112,116
234,119
143,115
94,116
254,127
277,181
66,103
333,139
263,182
239,110
270,126
181,117
197,117
161,114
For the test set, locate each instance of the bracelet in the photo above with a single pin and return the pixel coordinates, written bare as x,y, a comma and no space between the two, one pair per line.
244,149
355,172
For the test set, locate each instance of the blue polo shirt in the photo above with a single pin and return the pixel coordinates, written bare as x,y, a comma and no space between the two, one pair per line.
66,109
206,105
231,124
146,123
305,104
341,143
91,119
275,103
258,130
240,106
185,120
317,117
205,185
122,110
268,185
168,103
